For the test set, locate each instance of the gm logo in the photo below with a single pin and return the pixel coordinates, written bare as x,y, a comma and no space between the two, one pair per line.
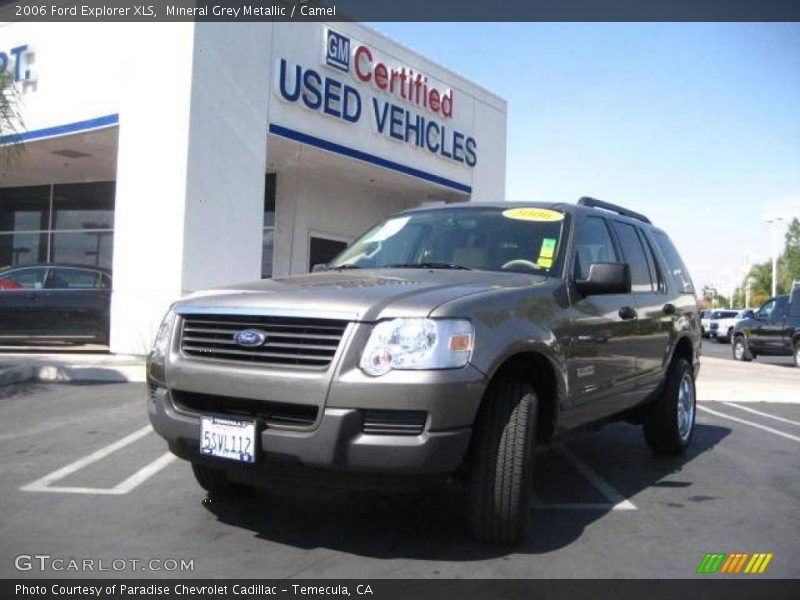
337,50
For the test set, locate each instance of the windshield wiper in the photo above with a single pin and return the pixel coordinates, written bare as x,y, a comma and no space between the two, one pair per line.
427,265
342,267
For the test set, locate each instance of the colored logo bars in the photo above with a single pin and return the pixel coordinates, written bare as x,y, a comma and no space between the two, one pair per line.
720,562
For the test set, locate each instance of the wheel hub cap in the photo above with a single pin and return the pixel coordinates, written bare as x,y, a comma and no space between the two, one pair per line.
686,406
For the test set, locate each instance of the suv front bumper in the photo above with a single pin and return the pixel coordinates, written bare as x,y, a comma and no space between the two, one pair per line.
337,443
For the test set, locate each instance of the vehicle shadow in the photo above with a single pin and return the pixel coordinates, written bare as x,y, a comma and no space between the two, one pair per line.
432,526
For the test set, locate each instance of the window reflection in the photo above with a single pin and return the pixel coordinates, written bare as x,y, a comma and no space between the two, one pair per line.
83,248
22,249
68,223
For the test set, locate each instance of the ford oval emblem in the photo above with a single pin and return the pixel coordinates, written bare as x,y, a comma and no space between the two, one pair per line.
250,338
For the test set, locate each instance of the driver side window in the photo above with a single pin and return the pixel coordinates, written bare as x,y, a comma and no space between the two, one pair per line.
765,312
592,245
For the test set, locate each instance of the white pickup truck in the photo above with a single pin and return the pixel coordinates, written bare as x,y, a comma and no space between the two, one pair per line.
722,322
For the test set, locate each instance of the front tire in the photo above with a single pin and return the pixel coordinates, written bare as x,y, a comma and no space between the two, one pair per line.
502,458
740,350
669,423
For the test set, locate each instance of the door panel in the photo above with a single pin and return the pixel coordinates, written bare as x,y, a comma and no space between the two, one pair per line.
601,367
766,334
77,303
21,307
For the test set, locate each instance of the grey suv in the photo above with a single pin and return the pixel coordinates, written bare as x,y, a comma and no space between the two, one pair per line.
443,344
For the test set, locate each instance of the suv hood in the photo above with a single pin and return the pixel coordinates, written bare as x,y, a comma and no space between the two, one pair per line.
367,295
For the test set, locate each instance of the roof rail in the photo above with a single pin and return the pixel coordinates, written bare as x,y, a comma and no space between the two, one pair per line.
595,203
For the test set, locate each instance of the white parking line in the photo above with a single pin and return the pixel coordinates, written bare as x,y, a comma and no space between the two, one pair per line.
44,484
616,501
763,414
756,425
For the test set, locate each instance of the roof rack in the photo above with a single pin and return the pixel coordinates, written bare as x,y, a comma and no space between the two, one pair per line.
595,203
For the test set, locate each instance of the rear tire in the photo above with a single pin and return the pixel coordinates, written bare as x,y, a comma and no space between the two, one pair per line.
740,350
669,422
216,482
502,454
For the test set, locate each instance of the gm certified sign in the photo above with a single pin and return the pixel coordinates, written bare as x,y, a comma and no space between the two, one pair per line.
250,338
337,51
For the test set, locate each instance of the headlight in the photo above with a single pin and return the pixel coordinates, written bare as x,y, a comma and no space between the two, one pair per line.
418,344
161,342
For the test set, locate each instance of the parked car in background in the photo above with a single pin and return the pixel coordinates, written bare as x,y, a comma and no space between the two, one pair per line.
774,330
53,302
721,323
705,321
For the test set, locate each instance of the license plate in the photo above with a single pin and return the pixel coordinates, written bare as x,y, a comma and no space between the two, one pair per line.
226,438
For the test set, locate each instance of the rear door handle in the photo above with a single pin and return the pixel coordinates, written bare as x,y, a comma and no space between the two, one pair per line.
626,313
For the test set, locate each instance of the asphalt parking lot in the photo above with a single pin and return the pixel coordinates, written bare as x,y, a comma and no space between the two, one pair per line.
84,477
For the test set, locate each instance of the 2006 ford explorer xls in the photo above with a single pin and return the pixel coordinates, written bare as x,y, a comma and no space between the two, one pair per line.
444,344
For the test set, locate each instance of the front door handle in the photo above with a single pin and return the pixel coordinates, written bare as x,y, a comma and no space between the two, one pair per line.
669,309
626,313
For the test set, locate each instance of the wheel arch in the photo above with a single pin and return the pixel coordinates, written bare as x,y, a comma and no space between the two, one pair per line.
683,348
534,366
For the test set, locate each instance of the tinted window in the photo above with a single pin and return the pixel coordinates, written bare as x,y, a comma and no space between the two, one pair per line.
635,256
74,279
678,271
24,279
592,245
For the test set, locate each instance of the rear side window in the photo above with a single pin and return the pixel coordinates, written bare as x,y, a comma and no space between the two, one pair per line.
635,256
592,245
677,270
74,279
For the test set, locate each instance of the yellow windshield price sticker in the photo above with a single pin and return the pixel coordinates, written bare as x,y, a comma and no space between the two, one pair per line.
533,214
545,262
548,248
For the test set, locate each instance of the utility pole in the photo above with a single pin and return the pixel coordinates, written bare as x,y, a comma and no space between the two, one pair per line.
773,222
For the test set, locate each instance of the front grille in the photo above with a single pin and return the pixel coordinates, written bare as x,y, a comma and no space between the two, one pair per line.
714,326
394,422
291,341
278,413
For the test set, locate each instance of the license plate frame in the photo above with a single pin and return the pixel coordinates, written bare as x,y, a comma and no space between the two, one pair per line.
229,439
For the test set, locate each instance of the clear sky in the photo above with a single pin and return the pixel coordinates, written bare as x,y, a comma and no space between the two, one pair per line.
696,125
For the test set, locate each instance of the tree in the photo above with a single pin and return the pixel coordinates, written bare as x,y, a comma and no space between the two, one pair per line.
760,286
789,263
11,122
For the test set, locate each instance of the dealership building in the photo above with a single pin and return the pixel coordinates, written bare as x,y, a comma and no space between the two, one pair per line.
186,156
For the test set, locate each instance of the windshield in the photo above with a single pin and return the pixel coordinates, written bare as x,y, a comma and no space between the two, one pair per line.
526,240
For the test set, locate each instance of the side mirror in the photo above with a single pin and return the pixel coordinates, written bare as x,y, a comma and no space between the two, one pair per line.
606,278
319,267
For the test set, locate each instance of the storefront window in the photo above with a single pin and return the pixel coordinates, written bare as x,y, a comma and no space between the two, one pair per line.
83,206
268,226
22,249
60,223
